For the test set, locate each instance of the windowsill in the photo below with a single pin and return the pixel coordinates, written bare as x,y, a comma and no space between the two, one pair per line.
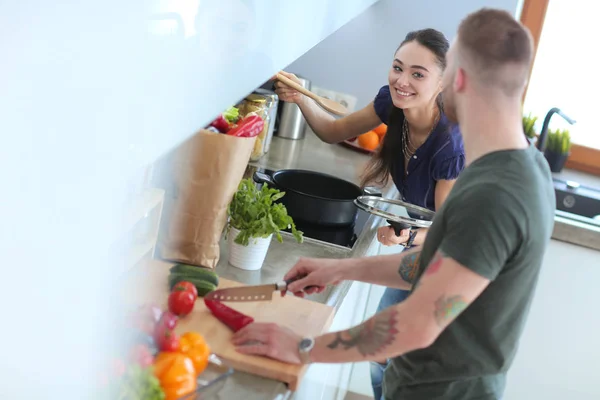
585,159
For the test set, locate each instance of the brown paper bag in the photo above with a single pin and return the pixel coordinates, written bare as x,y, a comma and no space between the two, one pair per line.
199,177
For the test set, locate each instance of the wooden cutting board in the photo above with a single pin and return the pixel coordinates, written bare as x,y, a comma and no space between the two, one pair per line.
305,317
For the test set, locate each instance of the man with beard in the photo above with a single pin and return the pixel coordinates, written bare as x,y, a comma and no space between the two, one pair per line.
456,335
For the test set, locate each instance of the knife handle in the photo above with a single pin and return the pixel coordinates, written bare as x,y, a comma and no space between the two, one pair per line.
297,278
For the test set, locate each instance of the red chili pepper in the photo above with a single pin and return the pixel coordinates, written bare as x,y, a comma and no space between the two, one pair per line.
235,320
221,124
250,126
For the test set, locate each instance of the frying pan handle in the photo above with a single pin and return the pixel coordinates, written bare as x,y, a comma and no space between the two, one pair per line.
371,191
398,227
260,177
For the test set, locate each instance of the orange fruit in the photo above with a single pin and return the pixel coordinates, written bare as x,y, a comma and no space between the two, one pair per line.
380,130
369,140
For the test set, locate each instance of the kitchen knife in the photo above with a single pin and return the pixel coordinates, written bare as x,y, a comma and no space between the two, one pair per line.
252,293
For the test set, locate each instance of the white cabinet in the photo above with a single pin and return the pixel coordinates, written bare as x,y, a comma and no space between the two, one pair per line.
559,352
329,381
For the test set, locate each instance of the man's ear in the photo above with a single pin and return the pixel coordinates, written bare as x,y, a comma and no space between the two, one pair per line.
459,80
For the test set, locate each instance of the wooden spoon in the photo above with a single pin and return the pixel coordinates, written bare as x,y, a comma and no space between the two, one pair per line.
332,106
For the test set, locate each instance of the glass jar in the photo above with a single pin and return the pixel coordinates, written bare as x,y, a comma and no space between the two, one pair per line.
258,104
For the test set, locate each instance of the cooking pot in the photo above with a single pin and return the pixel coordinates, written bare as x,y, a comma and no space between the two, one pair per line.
314,197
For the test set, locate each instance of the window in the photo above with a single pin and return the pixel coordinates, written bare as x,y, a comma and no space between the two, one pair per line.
564,73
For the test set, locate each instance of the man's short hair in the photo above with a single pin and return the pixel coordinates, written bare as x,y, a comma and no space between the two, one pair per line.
498,48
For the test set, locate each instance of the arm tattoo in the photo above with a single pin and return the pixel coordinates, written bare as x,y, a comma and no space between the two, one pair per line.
409,265
432,268
447,308
371,336
434,265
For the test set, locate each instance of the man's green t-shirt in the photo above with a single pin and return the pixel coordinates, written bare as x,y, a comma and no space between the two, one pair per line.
497,221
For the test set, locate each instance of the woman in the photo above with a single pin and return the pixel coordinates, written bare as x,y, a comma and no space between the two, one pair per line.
422,151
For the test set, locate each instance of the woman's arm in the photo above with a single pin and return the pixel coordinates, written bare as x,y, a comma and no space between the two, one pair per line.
442,190
328,128
332,130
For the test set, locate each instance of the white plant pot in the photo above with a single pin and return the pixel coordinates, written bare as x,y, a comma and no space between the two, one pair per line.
249,257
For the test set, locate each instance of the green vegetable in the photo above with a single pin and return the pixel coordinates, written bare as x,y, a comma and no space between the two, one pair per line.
256,213
232,115
139,384
197,272
203,287
559,141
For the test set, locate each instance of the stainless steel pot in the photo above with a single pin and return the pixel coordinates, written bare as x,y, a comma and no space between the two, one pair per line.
290,122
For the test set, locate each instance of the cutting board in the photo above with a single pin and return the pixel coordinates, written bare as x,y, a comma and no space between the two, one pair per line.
305,317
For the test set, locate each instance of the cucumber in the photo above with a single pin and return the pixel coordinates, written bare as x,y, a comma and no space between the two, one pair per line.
196,272
203,287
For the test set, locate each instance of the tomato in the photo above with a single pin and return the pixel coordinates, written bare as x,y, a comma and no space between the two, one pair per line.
168,320
190,287
181,301
166,339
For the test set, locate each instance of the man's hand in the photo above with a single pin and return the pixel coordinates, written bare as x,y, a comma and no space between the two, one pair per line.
319,272
269,340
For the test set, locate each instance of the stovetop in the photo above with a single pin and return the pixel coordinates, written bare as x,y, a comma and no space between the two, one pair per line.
342,236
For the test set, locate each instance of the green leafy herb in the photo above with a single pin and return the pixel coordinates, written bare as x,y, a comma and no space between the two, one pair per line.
232,115
136,384
257,214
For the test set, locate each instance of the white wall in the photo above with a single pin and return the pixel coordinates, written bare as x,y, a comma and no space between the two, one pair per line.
356,58
90,93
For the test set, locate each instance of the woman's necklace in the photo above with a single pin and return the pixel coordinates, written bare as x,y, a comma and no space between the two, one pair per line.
408,148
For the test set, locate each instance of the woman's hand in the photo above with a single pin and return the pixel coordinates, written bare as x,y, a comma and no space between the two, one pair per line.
285,92
387,236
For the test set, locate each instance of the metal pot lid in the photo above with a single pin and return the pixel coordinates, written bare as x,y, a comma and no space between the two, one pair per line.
396,211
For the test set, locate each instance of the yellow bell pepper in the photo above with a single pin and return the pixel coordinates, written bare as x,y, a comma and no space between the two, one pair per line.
193,345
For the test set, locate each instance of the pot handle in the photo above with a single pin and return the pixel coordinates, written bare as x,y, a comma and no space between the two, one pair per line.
260,177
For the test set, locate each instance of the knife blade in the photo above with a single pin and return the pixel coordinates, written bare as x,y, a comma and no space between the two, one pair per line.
251,293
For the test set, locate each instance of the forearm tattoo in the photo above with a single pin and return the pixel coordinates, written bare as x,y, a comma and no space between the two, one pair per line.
370,337
409,266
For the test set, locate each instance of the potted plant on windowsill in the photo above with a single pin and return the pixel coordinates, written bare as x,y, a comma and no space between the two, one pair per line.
558,149
529,127
254,217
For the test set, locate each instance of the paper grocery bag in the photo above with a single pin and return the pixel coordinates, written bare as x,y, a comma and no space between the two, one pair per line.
200,178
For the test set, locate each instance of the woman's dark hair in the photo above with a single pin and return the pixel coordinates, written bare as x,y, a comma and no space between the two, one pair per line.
383,161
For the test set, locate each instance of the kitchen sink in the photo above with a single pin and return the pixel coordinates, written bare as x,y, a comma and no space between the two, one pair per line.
573,199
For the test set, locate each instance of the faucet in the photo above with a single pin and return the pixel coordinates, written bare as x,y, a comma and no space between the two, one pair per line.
541,143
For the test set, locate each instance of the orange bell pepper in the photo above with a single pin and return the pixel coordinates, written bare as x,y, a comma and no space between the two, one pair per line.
194,346
176,374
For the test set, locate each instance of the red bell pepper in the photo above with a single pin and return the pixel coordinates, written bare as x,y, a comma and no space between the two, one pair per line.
250,126
221,124
235,320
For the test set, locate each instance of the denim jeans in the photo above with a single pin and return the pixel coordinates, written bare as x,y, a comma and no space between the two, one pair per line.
390,297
